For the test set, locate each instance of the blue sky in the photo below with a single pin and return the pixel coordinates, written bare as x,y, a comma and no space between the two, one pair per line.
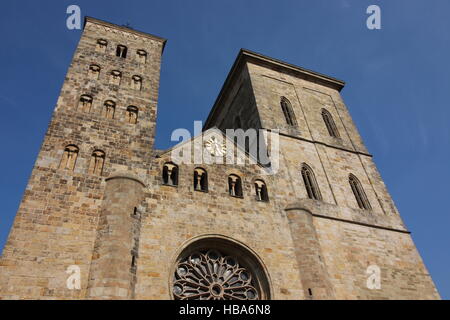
397,83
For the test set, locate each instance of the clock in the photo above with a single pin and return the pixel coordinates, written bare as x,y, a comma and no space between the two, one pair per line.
215,147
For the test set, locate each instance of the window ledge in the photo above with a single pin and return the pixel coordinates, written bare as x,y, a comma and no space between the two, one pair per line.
204,191
169,185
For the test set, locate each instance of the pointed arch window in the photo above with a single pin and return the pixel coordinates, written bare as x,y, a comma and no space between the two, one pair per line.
69,157
141,55
288,112
170,174
310,182
358,191
136,82
85,103
329,123
200,180
235,186
97,162
132,114
94,71
109,109
101,45
261,190
121,51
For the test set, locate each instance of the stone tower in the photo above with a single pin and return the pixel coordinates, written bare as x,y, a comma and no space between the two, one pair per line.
102,127
138,224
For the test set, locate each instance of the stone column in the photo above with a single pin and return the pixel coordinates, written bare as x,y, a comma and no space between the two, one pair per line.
113,266
315,279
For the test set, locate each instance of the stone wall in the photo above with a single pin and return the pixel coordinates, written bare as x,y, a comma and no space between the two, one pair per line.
176,215
127,233
55,226
115,252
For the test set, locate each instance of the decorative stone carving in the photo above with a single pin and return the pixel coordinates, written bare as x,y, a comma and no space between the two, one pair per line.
210,275
261,190
234,185
200,180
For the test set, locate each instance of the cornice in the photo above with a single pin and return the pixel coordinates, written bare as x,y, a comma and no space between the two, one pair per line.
245,56
125,29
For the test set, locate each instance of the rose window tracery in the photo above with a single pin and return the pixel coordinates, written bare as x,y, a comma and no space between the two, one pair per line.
211,275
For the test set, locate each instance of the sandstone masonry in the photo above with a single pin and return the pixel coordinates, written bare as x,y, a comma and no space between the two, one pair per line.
102,198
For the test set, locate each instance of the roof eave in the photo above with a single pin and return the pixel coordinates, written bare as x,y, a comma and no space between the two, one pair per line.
308,74
245,55
126,29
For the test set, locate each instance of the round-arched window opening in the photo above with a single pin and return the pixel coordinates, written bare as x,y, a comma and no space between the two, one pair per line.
219,269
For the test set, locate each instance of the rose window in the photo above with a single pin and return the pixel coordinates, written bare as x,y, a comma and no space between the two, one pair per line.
210,275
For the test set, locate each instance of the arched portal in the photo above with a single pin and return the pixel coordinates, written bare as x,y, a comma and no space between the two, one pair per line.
215,268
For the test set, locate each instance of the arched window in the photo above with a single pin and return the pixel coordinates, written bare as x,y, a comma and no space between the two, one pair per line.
288,112
358,191
109,109
85,103
97,162
94,71
101,45
69,157
310,183
261,191
329,123
235,186
116,75
132,114
170,174
200,180
121,51
219,269
141,55
136,82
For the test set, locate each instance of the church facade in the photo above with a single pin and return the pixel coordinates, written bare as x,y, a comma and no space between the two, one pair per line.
107,216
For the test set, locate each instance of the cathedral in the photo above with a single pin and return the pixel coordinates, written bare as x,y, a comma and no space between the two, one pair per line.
105,215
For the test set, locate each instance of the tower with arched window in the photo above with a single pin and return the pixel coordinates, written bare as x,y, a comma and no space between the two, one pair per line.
96,145
139,223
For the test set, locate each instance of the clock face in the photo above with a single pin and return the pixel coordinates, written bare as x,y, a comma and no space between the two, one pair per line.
215,147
